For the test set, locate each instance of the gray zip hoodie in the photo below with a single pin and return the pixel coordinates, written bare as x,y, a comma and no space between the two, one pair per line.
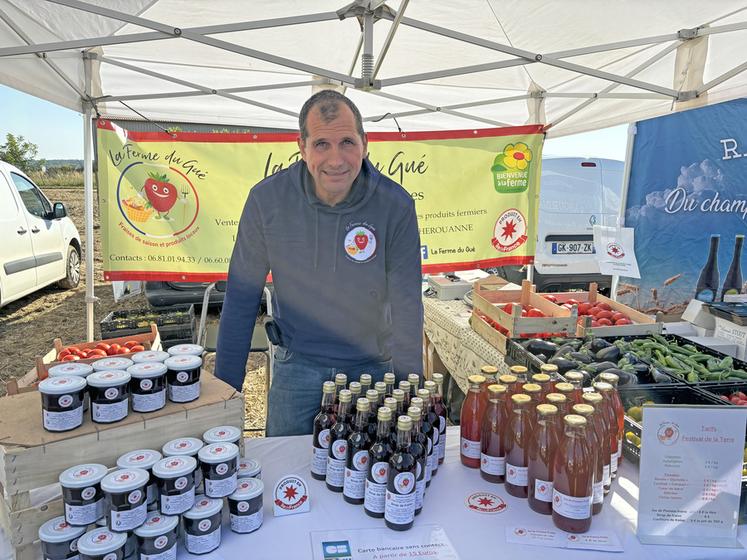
347,278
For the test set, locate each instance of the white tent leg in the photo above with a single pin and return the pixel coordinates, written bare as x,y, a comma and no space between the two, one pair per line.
89,245
624,197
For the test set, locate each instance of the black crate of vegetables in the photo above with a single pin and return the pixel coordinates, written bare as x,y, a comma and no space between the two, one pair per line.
591,356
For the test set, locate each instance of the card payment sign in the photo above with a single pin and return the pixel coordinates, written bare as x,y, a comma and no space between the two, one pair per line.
336,550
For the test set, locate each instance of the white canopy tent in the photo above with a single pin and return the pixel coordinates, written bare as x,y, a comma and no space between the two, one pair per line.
416,64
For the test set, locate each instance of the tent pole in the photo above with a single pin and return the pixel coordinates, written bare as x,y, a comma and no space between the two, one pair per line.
88,192
624,196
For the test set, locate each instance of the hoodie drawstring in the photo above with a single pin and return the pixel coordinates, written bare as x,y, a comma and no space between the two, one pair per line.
316,237
335,249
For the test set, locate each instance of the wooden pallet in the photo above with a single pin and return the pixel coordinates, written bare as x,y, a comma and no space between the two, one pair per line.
32,458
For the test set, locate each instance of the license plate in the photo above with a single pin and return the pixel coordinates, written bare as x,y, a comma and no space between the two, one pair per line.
573,247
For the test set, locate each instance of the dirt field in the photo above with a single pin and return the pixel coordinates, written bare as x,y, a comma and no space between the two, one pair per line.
29,326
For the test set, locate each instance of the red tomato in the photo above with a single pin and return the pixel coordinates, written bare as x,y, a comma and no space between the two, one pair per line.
741,395
604,322
583,308
568,306
617,316
113,349
573,301
77,351
724,398
137,348
604,306
64,352
534,312
96,352
84,353
130,343
123,350
508,308
624,321
70,358
102,346
604,315
551,298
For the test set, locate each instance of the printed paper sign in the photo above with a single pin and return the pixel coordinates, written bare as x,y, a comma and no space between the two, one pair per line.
291,496
552,537
422,541
615,251
691,474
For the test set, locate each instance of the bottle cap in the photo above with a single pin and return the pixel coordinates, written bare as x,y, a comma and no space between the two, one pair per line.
391,402
582,409
405,386
384,413
593,398
147,370
346,396
372,395
204,507
520,398
70,368
609,377
149,356
417,401
399,395
341,379
564,387
489,370
108,378
414,379
476,379
218,453
247,488
574,376
82,476
222,433
547,409
365,379
186,349
508,379
380,387
541,377
355,387
389,378
140,459
574,420
111,362
603,386
424,394
404,423
182,361
438,378
100,542
182,446
62,385
328,387
431,386
555,398
548,368
363,405
414,412
174,467
531,388
496,389
249,468
518,370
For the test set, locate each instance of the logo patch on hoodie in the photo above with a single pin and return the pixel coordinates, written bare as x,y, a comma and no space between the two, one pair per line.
360,242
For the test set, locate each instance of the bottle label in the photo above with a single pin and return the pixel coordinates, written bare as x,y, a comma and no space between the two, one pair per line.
493,465
399,507
436,435
63,421
380,472
598,492
470,449
430,467
175,505
442,447
606,477
571,506
613,464
354,485
323,439
375,496
419,493
246,523
110,412
335,472
543,490
319,461
340,449
517,475
202,544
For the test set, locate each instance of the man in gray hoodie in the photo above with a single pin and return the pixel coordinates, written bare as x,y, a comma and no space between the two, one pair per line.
343,246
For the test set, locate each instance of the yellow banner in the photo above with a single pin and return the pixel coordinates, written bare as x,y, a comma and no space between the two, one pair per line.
170,205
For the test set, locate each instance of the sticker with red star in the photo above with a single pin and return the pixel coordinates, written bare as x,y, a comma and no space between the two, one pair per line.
615,250
485,502
291,496
510,231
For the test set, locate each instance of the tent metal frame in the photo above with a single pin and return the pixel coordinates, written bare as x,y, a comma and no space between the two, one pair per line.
368,12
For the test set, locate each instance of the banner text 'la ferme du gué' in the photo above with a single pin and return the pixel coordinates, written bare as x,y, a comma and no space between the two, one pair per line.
170,206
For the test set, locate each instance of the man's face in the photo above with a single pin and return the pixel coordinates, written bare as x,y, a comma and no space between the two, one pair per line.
333,152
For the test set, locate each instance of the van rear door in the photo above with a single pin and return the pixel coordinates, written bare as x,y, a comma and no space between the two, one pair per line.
17,262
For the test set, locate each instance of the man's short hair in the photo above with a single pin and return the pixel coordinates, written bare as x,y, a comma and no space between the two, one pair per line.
328,101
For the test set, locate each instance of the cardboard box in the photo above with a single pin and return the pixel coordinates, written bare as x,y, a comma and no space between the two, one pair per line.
731,332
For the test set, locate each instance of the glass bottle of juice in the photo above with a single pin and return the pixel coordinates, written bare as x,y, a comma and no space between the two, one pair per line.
552,371
365,381
543,380
356,467
380,388
378,465
322,424
511,383
431,432
390,402
338,444
572,478
521,373
434,420
469,424
490,373
399,508
608,409
389,381
439,407
613,380
492,444
373,413
559,401
542,449
419,450
567,389
399,396
575,378
535,392
405,387
600,427
341,380
355,389
517,436
414,380
597,461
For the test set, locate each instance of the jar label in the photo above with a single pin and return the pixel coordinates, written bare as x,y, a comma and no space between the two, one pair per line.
146,384
182,377
400,508
335,472
161,542
542,490
88,493
613,464
127,520
135,497
84,515
516,475
184,393
430,467
181,483
65,401
202,544
375,495
242,507
319,461
221,469
470,448
493,465
174,505
380,472
111,393
169,554
109,412
571,506
246,523
220,488
354,485
441,426
62,421
204,525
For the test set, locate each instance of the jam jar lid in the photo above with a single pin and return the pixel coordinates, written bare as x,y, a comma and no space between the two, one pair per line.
173,467
218,453
249,468
139,459
149,356
62,385
221,433
113,362
57,530
124,480
157,524
248,488
191,349
183,361
204,507
100,542
108,378
82,476
70,368
182,446
146,370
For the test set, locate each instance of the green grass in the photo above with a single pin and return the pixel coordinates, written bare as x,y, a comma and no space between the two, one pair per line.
57,178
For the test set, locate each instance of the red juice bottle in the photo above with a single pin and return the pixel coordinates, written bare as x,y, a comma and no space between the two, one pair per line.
511,383
380,388
470,423
551,370
440,408
378,465
365,381
575,378
405,387
356,465
543,380
599,421
389,381
338,445
414,380
535,392
517,436
597,461
542,449
613,380
430,425
572,478
399,507
521,373
323,422
341,380
419,450
492,446
608,409
559,401
489,373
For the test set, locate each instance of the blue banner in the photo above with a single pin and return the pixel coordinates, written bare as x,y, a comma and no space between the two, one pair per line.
687,201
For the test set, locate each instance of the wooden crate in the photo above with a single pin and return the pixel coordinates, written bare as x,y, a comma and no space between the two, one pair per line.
32,458
642,323
496,339
558,319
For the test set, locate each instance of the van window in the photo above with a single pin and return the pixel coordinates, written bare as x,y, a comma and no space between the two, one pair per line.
35,202
8,205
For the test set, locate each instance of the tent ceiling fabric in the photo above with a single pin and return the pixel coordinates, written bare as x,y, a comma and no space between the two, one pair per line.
450,65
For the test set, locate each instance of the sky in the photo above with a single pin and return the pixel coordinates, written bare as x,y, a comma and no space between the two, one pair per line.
59,132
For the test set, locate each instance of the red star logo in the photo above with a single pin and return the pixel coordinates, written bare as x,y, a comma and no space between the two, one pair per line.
509,230
485,502
615,250
290,493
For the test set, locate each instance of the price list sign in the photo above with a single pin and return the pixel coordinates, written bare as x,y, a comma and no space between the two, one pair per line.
691,475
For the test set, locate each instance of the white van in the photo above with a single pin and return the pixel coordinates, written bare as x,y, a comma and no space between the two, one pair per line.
40,244
575,194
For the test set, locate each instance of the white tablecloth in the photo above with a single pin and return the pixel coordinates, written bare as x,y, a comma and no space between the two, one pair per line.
474,535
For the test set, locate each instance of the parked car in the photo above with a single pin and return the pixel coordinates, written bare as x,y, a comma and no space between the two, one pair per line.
40,244
575,195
